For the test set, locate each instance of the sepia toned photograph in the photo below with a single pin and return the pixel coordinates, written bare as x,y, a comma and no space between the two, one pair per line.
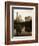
22,21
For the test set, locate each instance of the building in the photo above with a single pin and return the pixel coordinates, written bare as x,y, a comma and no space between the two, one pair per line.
18,18
28,18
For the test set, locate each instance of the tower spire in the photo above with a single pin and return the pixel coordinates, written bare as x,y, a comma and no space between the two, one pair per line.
17,13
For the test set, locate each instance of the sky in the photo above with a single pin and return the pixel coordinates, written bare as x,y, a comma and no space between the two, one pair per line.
23,13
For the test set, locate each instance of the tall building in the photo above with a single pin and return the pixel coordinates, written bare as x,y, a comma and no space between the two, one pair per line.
18,17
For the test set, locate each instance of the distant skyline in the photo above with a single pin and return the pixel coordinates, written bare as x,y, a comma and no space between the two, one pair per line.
23,13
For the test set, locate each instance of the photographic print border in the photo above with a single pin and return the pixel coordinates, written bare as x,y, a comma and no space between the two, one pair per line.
7,23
